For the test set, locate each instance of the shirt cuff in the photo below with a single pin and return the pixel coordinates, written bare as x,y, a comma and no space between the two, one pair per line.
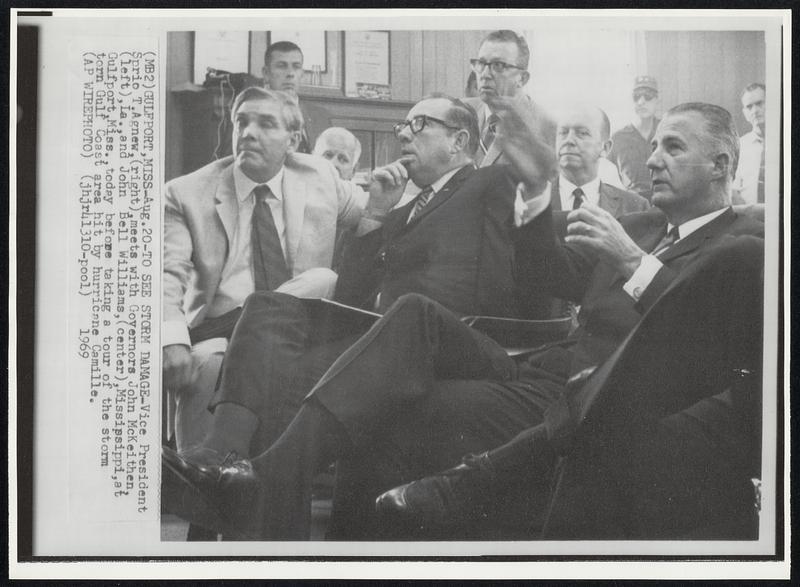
641,278
175,332
528,206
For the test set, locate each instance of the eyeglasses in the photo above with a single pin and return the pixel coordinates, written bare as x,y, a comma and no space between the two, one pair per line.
647,95
417,123
478,65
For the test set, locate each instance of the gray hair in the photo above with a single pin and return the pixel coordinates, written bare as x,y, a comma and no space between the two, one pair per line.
719,130
290,107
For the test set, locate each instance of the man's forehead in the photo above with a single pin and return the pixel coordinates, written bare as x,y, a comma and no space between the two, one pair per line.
505,50
753,96
339,142
682,125
286,57
580,117
436,107
261,106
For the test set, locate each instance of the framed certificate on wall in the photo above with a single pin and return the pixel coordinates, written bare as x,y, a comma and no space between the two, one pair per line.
366,65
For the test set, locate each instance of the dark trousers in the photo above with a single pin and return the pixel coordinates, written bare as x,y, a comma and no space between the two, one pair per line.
415,394
279,349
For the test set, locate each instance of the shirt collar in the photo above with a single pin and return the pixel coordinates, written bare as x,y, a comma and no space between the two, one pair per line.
440,183
244,185
591,190
695,224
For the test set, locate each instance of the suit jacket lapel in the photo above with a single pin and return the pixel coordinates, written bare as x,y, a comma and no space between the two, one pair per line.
294,207
698,237
444,194
227,205
555,196
609,201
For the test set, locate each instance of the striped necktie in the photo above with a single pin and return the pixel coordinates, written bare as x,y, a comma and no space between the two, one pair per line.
422,200
489,132
269,265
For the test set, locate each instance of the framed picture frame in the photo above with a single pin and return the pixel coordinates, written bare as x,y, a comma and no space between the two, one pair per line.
367,65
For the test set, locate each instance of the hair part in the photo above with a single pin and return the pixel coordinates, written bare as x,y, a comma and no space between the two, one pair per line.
290,107
460,115
720,135
280,47
507,36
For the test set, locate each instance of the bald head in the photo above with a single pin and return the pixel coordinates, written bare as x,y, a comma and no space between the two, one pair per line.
582,138
339,146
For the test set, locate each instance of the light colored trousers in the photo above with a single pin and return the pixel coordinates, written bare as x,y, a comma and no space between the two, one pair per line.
192,418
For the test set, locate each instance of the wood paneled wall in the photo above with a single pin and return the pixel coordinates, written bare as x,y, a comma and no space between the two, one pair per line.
706,66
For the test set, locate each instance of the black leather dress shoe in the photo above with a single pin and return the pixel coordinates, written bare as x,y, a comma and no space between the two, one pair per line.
449,498
219,497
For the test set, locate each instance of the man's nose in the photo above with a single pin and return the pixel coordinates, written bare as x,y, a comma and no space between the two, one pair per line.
655,161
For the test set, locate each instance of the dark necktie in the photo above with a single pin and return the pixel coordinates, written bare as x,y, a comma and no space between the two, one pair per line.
422,199
489,132
304,146
761,176
667,241
578,197
269,265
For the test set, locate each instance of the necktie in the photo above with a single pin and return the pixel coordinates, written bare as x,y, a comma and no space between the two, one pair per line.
578,197
304,146
422,199
667,241
761,177
269,265
489,132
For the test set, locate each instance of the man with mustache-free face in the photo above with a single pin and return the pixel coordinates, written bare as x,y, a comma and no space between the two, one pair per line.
210,259
283,71
582,138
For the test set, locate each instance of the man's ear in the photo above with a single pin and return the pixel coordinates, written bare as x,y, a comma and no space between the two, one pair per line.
294,141
722,164
461,141
524,77
606,149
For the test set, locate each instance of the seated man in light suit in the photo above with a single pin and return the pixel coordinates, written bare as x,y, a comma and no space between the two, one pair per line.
502,70
452,243
208,243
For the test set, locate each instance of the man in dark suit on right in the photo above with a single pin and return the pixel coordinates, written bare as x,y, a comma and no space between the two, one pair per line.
657,434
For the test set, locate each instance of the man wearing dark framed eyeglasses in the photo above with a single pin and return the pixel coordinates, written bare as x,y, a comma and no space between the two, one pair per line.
452,244
631,144
501,69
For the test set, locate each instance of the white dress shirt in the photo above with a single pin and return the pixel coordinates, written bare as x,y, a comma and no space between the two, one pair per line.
528,209
746,182
237,280
591,192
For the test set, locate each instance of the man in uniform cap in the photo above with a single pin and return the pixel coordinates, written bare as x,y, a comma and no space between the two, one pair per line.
631,144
